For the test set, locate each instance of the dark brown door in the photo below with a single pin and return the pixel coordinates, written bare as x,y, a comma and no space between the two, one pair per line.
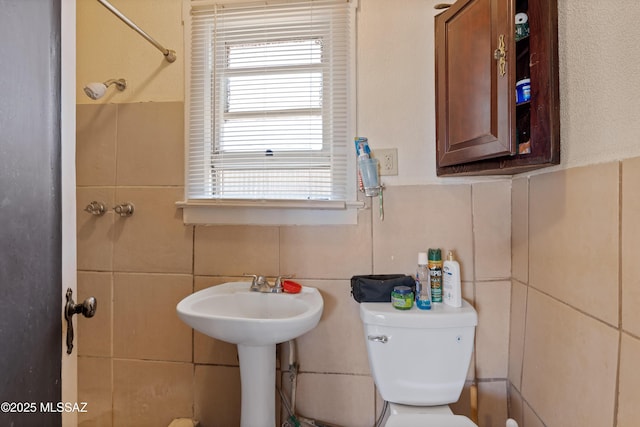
30,212
473,106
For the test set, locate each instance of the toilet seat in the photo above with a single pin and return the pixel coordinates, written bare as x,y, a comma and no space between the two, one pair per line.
429,420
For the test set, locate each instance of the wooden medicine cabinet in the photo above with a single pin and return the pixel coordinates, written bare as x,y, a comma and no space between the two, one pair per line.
481,54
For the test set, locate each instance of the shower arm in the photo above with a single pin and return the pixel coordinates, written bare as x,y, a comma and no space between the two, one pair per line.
169,55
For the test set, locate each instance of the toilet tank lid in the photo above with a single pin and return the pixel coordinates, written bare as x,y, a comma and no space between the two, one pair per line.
440,316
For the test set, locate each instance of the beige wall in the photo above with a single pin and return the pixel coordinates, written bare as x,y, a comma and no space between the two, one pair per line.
574,336
140,365
575,346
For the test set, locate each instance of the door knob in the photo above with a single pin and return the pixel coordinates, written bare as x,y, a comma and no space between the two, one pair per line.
87,308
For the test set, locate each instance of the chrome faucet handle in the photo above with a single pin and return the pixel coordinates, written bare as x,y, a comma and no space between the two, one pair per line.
253,281
277,286
124,209
96,208
259,283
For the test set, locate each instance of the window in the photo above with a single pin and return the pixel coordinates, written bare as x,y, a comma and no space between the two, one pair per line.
269,120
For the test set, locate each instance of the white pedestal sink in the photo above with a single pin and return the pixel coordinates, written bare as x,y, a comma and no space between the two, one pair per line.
256,322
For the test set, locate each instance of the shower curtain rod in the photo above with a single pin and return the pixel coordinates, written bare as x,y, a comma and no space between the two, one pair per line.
169,55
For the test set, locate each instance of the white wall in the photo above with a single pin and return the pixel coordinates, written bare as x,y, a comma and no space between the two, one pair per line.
599,77
599,81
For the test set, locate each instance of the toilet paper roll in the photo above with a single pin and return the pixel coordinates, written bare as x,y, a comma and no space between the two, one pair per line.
521,18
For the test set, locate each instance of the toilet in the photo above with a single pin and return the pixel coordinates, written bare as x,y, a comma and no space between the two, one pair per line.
419,360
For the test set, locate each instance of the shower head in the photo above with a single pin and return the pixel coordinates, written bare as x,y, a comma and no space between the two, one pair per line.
97,90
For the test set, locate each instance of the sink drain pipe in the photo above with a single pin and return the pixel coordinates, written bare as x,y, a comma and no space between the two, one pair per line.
294,420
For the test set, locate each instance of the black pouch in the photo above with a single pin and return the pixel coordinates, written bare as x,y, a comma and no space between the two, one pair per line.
378,287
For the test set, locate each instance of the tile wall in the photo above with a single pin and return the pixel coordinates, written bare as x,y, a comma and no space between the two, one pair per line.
575,324
139,365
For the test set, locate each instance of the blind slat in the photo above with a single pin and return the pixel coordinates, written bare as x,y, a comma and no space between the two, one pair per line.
268,104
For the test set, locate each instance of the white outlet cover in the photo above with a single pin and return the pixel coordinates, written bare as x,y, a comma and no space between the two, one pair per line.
388,158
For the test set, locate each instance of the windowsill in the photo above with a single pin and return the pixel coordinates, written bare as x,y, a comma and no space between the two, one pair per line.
269,212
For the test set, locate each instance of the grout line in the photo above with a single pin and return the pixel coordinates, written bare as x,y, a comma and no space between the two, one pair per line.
489,380
140,273
279,242
616,397
475,284
524,337
193,258
526,295
579,310
148,360
193,289
473,247
371,234
620,203
532,409
115,151
629,334
113,257
112,334
348,374
193,333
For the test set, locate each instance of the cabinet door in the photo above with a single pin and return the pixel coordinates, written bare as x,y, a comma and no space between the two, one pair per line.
474,108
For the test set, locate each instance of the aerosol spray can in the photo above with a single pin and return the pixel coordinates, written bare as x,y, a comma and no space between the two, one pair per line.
435,274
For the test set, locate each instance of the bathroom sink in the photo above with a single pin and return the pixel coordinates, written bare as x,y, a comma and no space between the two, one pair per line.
255,322
232,313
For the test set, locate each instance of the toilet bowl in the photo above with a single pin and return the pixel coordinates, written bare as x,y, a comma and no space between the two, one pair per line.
419,360
411,420
421,416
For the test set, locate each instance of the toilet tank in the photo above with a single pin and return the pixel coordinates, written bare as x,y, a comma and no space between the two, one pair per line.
419,357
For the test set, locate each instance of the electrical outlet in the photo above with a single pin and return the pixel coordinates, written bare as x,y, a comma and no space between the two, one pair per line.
388,158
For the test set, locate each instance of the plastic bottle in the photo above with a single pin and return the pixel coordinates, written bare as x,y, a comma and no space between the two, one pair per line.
423,287
451,282
435,275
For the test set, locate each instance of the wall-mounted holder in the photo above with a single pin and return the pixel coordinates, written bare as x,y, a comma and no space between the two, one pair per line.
371,185
124,209
376,191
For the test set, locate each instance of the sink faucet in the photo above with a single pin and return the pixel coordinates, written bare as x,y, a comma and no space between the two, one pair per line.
261,284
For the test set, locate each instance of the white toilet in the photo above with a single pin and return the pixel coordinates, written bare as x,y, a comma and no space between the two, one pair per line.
419,360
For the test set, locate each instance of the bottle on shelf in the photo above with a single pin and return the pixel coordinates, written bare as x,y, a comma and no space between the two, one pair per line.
451,282
423,286
435,275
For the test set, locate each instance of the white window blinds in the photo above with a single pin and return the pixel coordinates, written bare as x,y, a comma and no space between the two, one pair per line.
268,102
